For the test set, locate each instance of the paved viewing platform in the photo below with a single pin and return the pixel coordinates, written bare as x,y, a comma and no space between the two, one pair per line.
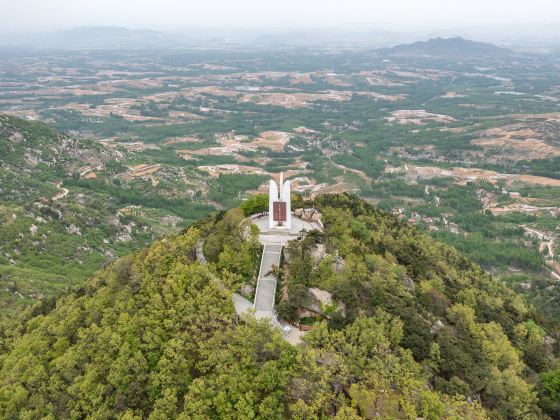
280,236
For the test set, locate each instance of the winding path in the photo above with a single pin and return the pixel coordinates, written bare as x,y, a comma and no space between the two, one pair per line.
361,174
548,243
200,251
62,193
240,304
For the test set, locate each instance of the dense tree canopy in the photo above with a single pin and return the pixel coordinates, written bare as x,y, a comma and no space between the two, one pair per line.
155,335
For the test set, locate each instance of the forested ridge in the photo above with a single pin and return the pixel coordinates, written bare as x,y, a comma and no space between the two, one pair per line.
425,333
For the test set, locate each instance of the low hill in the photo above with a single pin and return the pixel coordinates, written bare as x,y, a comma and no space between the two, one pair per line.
424,333
448,48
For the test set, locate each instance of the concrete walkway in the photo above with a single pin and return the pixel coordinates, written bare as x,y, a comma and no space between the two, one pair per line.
200,251
272,241
266,284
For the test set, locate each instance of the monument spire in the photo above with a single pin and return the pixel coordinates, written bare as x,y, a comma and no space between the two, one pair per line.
281,186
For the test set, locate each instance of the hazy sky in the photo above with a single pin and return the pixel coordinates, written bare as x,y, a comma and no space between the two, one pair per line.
28,15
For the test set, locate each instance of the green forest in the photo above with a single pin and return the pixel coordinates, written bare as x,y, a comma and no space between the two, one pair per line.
425,333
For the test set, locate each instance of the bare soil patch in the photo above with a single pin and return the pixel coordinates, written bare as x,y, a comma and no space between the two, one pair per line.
273,140
418,117
143,170
463,175
516,142
228,169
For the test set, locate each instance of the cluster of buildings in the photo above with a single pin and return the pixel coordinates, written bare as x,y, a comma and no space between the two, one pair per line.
431,223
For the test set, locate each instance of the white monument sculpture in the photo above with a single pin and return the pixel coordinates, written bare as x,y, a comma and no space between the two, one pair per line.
279,205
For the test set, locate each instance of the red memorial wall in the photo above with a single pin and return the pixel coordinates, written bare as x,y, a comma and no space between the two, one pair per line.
279,211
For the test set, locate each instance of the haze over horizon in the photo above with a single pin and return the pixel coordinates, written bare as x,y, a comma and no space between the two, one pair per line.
253,15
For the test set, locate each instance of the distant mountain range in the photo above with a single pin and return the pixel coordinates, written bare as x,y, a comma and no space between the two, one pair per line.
96,37
112,37
109,37
457,47
325,38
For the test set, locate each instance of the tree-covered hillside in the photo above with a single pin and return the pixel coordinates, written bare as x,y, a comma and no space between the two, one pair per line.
56,229
425,333
473,335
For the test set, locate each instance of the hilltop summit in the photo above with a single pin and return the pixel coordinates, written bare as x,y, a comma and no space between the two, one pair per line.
413,329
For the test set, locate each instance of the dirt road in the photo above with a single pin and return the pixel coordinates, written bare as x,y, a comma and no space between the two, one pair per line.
62,193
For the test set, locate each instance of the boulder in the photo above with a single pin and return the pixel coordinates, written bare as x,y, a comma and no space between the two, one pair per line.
408,284
438,325
322,296
318,252
73,230
33,230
